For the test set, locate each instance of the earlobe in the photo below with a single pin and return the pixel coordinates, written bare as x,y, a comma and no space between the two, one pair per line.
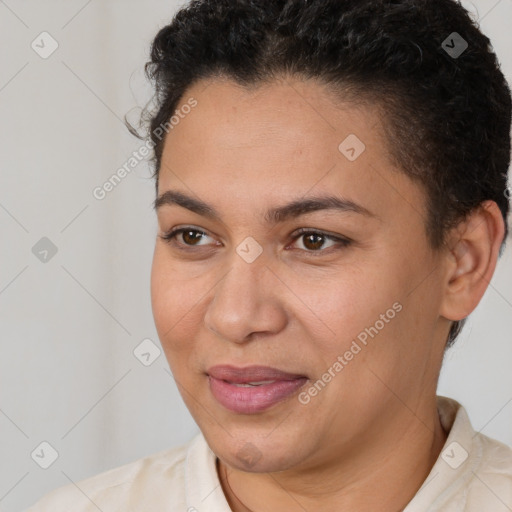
472,260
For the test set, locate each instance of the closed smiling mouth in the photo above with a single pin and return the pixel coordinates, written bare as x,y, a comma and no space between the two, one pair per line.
252,389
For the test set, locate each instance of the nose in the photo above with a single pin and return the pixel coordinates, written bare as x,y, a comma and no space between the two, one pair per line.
247,302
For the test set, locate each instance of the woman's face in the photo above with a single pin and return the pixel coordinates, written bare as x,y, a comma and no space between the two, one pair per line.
354,326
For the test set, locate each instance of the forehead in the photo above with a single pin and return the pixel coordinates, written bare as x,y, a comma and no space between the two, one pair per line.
279,140
285,112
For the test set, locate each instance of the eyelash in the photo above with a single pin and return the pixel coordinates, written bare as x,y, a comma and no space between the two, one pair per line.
170,237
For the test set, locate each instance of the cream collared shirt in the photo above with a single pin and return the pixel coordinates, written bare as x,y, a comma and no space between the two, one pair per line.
472,474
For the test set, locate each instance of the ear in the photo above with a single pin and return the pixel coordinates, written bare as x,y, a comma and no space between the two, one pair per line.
473,249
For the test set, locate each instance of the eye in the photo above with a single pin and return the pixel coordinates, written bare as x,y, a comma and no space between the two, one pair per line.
189,236
314,240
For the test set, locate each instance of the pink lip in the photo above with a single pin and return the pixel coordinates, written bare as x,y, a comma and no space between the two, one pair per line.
249,400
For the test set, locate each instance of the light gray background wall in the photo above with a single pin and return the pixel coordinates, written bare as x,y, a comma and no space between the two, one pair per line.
69,326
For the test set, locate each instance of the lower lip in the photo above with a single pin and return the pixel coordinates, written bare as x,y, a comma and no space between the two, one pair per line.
249,400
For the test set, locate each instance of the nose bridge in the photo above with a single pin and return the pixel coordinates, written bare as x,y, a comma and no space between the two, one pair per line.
244,301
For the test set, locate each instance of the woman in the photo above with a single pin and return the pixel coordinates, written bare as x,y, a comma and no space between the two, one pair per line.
331,201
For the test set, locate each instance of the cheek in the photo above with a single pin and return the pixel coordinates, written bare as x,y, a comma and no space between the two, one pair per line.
369,314
350,302
175,299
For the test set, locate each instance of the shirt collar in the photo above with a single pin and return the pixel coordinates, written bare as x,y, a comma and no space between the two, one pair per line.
459,458
203,492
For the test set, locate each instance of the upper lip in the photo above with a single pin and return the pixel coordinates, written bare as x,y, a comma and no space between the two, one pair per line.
242,375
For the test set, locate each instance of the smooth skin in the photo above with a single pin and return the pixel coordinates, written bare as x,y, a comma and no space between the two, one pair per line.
368,440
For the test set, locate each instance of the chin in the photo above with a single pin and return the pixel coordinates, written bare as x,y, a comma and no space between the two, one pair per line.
257,453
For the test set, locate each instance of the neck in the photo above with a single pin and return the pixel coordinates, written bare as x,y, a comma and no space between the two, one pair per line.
382,472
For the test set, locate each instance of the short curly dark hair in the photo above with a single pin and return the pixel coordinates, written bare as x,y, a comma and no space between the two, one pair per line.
447,116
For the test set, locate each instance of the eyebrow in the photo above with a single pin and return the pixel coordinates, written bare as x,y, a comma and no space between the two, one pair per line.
274,215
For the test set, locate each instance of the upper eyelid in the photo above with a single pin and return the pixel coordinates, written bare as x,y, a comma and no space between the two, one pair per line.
296,231
178,229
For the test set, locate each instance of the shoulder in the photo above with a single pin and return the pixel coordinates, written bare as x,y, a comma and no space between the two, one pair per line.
473,471
490,482
148,481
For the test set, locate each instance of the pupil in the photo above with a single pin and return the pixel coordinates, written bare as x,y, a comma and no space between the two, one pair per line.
319,238
187,233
